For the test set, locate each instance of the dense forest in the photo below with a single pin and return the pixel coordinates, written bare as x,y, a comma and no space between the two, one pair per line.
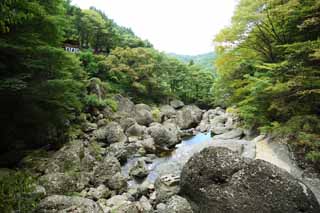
268,69
45,89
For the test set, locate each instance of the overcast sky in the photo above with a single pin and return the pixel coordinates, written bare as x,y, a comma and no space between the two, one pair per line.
174,26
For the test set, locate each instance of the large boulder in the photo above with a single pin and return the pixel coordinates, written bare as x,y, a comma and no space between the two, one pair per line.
188,117
105,171
122,151
125,105
176,104
143,116
61,203
178,204
219,180
112,133
142,106
62,183
167,112
165,137
135,130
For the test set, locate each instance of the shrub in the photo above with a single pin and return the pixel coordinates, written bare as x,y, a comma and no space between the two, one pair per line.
16,193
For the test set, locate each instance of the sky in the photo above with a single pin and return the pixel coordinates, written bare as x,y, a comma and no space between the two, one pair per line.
174,26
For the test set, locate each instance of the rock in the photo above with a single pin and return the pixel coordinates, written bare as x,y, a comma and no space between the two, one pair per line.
139,170
142,107
161,208
36,162
167,112
144,205
219,179
178,204
135,130
122,151
125,123
118,183
38,192
188,117
176,104
61,203
165,137
89,127
66,159
148,145
233,134
125,105
112,133
115,203
105,171
97,193
166,186
62,183
143,117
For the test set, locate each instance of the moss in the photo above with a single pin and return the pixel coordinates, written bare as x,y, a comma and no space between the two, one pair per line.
156,114
96,150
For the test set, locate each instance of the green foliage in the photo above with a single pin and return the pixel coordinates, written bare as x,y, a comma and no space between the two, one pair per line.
205,61
268,66
40,83
16,193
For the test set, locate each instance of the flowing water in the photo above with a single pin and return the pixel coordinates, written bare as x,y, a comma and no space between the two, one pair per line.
173,162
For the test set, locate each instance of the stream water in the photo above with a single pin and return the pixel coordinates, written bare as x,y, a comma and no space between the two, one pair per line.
173,162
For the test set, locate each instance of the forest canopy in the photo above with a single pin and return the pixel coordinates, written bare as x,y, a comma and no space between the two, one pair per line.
45,89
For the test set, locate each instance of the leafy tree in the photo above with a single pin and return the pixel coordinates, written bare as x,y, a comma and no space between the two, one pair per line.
40,84
268,66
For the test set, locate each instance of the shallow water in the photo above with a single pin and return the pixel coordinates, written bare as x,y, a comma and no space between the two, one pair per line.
174,161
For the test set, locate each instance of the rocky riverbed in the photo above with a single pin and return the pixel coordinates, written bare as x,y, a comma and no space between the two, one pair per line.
175,158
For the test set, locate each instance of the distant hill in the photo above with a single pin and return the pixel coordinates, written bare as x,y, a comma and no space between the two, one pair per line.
204,60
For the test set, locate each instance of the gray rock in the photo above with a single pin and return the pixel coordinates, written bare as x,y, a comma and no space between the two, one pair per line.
135,130
125,105
61,203
148,145
167,112
188,117
161,208
66,159
125,123
62,183
118,183
178,204
112,133
139,170
117,204
144,205
166,186
122,151
220,180
143,117
233,134
176,104
142,106
97,193
105,171
165,137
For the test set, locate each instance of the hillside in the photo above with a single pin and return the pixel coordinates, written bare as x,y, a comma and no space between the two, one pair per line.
204,60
